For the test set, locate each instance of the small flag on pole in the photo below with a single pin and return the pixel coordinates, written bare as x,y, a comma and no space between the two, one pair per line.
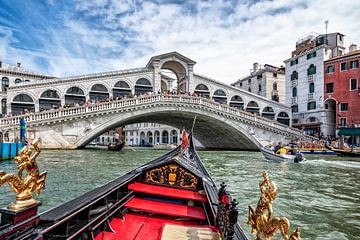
185,139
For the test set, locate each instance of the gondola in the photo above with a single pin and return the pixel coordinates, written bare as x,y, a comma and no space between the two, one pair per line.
171,197
270,155
116,146
343,153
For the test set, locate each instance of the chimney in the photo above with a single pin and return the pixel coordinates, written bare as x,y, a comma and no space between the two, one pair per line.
255,67
18,64
352,47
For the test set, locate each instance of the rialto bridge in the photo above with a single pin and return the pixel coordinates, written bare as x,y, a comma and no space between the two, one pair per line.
40,95
218,126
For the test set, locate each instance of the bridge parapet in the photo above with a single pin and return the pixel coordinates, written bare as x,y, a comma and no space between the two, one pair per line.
146,101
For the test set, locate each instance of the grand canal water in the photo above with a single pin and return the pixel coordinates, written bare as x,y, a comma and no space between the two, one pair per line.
321,195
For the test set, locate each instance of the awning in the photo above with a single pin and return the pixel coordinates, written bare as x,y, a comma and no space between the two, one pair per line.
349,131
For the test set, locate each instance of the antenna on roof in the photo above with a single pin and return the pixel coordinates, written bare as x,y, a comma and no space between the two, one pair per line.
326,27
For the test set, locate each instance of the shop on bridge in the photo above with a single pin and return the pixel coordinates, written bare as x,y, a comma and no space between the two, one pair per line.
48,100
22,103
75,95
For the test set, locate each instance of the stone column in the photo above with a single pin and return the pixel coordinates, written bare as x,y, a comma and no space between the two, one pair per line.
156,76
190,85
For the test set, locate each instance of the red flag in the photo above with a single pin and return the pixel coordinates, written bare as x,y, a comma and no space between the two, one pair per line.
185,139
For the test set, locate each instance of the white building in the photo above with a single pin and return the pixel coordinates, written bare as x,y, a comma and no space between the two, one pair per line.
148,134
304,80
267,81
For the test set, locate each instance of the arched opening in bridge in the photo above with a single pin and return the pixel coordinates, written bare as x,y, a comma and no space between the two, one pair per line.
99,92
142,86
150,137
22,103
283,118
156,137
121,89
237,102
173,74
330,114
253,107
174,137
17,81
49,99
3,106
268,112
75,96
4,84
202,90
220,96
165,137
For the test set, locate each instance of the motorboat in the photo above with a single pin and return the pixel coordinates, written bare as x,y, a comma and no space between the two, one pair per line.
269,154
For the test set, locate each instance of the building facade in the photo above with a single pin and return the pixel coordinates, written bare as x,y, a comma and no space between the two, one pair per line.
342,90
151,134
267,81
304,81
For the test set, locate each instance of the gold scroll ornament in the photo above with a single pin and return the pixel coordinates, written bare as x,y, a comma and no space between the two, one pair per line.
28,178
265,225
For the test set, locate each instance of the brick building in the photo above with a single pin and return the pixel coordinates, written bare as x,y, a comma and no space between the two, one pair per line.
342,90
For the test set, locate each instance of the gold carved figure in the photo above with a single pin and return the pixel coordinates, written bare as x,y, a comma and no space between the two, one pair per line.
27,180
265,225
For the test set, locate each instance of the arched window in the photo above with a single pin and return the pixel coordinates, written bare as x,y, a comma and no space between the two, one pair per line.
143,141
18,80
121,88
157,137
220,96
294,75
3,106
22,103
174,137
294,92
4,84
150,137
275,86
253,107
165,137
143,86
311,70
311,87
202,90
295,108
236,102
283,118
268,112
99,92
74,96
49,99
249,89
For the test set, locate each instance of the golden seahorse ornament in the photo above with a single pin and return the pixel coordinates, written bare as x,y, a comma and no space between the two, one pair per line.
265,225
28,178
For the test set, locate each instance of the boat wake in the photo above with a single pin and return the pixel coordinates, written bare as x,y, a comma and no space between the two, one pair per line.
342,164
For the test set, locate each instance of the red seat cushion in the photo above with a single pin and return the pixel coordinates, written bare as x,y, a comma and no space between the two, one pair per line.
167,192
164,208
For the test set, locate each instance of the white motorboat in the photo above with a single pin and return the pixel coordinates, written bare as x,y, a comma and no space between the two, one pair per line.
270,155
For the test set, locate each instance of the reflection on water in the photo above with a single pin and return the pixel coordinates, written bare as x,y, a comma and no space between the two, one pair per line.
320,195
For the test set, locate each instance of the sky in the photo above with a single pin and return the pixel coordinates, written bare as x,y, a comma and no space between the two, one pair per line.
75,37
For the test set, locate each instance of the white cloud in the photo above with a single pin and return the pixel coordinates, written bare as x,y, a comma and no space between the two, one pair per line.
225,39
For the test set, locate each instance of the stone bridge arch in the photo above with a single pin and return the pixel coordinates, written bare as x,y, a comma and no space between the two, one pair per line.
213,131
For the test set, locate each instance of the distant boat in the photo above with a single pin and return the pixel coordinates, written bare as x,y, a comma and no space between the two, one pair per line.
116,146
343,153
270,155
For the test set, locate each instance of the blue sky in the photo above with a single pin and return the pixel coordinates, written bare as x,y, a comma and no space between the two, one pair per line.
66,38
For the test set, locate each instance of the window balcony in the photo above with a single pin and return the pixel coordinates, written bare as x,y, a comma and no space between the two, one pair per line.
294,100
311,96
294,83
311,78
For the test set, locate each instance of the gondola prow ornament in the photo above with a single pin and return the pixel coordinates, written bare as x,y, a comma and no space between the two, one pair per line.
265,226
28,178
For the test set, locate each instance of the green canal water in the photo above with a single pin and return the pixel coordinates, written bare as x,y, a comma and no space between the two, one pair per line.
321,195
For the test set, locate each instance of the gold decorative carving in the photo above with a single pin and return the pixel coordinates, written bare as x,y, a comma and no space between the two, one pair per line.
173,175
265,226
27,180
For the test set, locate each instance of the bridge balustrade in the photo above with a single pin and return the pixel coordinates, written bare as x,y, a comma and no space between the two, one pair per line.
129,102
